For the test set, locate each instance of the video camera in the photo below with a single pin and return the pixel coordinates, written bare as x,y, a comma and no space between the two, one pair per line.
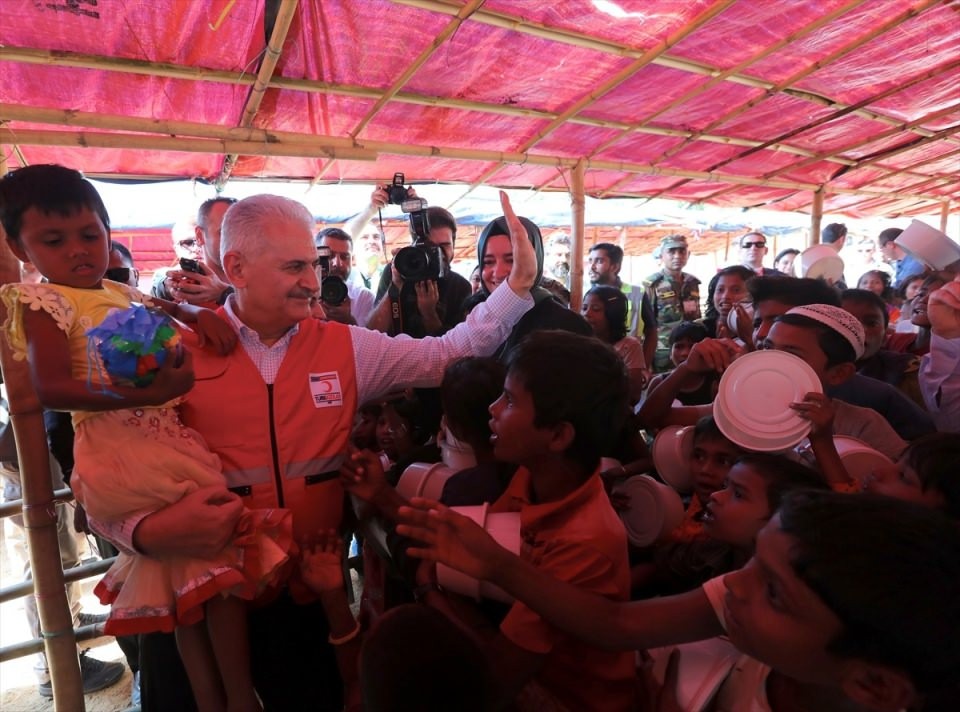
333,290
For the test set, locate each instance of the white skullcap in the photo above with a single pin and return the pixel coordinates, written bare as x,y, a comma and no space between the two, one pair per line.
840,320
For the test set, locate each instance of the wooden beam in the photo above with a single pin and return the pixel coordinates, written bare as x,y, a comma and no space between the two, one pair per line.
268,65
816,215
736,69
462,14
629,71
838,53
944,215
580,39
338,148
577,223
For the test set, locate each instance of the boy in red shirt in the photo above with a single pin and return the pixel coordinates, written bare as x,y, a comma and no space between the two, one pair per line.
556,427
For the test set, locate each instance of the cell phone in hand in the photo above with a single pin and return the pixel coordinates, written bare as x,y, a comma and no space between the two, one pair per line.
188,265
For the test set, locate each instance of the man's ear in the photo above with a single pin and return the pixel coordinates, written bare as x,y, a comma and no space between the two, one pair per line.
234,268
840,373
562,436
616,269
878,687
198,234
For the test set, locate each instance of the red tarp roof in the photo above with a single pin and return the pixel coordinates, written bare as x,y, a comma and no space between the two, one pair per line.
736,102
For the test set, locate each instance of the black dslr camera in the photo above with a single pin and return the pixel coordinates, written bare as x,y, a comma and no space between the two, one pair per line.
396,191
333,290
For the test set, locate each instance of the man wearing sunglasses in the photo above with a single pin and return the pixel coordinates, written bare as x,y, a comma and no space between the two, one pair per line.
753,248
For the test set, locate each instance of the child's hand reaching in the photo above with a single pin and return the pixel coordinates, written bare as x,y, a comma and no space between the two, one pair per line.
321,566
449,538
362,475
819,410
173,379
215,332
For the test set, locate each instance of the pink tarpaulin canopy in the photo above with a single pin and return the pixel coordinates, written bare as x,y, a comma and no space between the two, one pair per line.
735,102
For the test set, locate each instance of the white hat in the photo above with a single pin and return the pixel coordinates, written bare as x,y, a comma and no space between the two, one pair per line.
840,320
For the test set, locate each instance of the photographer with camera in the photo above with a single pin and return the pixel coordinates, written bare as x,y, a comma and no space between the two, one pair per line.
198,276
343,300
419,294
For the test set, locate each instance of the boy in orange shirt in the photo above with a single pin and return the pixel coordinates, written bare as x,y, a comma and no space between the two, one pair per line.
556,427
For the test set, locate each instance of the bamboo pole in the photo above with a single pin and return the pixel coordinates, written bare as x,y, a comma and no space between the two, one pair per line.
843,112
837,54
333,147
40,515
160,69
816,216
70,117
799,75
623,75
909,126
579,39
462,14
736,69
577,234
268,65
944,215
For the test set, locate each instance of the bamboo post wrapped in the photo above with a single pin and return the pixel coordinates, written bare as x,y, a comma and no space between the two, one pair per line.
40,515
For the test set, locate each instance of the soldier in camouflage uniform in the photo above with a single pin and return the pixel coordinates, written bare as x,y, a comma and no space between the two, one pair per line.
673,294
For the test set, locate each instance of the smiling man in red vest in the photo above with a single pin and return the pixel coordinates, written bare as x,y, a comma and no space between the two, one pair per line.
278,412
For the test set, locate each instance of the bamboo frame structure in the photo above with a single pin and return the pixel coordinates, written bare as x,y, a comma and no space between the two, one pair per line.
445,34
269,64
578,39
797,76
332,149
736,69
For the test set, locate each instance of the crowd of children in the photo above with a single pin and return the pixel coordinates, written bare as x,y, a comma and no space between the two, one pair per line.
807,599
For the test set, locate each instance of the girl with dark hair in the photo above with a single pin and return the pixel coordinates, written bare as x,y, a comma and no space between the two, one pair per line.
605,309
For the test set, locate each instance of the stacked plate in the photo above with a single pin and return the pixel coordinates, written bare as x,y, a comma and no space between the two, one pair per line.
752,407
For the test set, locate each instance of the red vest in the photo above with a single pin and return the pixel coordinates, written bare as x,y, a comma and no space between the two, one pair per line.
281,445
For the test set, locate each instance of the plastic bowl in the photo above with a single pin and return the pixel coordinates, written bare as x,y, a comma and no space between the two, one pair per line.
655,510
424,479
672,450
821,262
929,245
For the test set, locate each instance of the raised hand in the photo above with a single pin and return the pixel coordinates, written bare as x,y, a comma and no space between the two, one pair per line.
819,410
943,310
712,355
523,273
321,565
362,475
449,538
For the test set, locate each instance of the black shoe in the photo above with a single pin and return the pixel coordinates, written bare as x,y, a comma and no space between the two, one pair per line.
91,618
95,674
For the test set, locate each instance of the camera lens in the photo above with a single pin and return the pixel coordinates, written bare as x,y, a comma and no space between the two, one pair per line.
333,291
413,263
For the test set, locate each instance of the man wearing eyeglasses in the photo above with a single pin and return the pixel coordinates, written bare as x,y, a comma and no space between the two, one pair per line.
753,248
198,277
